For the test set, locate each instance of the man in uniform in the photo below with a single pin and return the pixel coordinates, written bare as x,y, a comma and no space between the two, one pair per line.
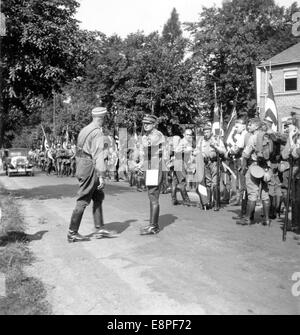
291,152
90,171
152,143
210,147
256,157
183,152
234,152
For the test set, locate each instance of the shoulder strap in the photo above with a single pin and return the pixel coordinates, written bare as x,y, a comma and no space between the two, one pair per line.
81,148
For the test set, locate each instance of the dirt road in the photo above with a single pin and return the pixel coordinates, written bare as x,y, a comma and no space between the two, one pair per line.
200,263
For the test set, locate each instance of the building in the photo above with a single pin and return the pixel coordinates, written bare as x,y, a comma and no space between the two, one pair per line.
285,69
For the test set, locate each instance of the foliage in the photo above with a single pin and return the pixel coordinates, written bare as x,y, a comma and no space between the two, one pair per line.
230,41
43,49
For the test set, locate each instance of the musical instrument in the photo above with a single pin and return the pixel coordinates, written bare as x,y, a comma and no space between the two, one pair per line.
256,171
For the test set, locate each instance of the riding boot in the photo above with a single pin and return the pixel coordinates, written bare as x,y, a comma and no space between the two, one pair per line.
249,218
155,216
174,195
216,202
73,235
273,207
98,216
185,196
153,227
266,208
138,184
151,213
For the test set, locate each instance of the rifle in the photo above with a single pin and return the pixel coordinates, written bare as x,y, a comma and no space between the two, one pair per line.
286,217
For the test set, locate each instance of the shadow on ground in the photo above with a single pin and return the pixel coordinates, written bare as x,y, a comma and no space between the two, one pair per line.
60,191
16,236
166,220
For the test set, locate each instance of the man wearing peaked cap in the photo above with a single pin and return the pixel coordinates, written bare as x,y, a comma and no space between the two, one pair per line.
207,126
99,111
149,118
90,172
152,142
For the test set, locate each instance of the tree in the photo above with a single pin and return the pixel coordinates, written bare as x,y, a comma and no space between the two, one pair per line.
172,29
42,50
230,41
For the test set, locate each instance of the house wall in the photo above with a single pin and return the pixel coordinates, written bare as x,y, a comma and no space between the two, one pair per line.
285,101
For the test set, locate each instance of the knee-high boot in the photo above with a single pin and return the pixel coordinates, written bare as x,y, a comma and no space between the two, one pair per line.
266,209
216,200
73,235
185,196
272,213
98,216
174,195
248,219
155,216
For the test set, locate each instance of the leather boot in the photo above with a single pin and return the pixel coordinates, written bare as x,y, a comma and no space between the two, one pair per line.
74,236
249,218
272,213
153,228
98,216
174,195
76,219
185,196
216,202
138,185
266,209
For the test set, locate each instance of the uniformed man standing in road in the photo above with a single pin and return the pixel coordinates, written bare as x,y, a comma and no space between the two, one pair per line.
255,166
90,171
210,147
152,143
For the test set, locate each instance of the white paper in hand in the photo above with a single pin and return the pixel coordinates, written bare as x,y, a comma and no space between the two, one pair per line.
202,190
151,177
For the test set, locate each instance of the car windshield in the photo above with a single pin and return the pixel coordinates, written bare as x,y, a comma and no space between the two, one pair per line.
18,152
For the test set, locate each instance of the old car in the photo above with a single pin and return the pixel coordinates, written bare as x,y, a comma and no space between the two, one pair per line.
16,161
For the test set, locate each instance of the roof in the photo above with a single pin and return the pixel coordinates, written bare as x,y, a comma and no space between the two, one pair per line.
288,56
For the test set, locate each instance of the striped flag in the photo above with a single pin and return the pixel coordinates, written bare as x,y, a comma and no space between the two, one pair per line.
216,121
229,138
270,106
46,142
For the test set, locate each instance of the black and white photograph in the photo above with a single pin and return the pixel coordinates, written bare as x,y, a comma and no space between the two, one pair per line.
149,160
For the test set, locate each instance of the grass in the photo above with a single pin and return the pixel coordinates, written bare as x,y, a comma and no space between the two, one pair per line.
24,295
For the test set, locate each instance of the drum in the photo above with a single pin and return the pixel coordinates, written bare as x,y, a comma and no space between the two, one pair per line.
256,171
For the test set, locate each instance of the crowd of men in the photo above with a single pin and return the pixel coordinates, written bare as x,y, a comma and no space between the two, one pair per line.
250,167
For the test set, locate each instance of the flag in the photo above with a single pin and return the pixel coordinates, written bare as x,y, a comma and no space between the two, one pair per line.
216,121
67,135
270,106
46,142
229,138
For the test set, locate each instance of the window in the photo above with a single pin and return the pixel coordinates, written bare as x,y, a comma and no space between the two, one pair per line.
290,80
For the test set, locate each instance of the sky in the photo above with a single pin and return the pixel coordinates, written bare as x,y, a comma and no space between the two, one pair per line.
129,16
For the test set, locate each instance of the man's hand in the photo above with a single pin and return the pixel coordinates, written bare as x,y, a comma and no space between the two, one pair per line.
101,183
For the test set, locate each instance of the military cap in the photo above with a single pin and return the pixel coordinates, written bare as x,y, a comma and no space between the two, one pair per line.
208,125
99,111
149,118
